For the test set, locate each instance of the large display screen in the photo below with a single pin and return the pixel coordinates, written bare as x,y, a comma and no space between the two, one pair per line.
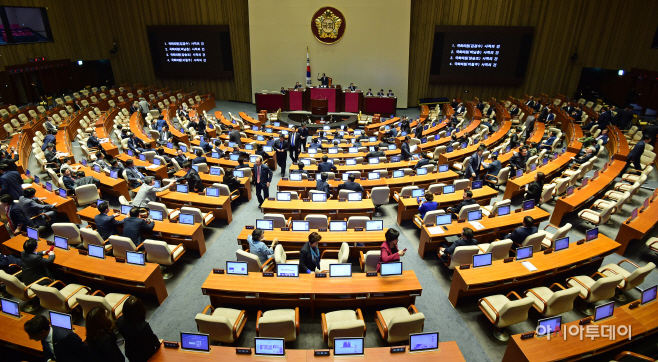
481,54
197,51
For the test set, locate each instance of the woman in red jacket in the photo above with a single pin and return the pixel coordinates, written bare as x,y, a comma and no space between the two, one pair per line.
389,248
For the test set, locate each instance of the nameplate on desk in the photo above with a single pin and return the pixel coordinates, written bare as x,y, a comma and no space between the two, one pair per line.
508,260
406,197
371,274
634,304
285,229
548,251
322,229
585,321
168,344
342,200
580,242
401,349
83,252
363,178
249,227
217,271
518,210
119,260
284,179
459,221
306,200
239,350
321,353
268,274
464,266
320,275
527,335
270,198
48,242
358,229
429,225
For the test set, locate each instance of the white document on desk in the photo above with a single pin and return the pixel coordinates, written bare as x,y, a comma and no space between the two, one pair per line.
529,266
152,167
435,230
476,225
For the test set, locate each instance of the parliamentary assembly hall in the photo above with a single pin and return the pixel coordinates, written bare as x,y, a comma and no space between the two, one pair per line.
306,180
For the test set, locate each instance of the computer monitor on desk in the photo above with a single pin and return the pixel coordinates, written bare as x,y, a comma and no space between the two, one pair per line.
33,233
61,320
125,209
374,225
503,210
524,253
449,189
195,342
475,215
390,269
182,189
155,215
61,242
298,225
96,251
548,326
423,342
238,173
271,347
287,270
417,192
338,226
348,347
295,177
648,295
562,244
592,234
135,258
482,260
9,307
319,197
443,168
213,192
237,268
340,270
476,185
186,219
528,205
283,196
604,311
443,219
264,224
421,171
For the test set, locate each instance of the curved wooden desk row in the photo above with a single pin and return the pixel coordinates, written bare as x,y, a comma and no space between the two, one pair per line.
64,204
639,322
506,276
552,169
395,184
298,209
117,187
639,227
430,146
430,237
311,292
491,141
143,279
12,334
408,207
363,168
208,180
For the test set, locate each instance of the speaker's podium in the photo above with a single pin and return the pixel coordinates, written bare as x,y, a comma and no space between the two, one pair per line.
319,107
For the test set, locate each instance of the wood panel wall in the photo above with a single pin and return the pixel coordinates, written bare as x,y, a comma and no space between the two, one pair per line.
610,34
87,29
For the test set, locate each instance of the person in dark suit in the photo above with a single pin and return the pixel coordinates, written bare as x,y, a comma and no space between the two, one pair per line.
588,156
49,138
467,200
465,240
140,341
260,152
390,93
369,92
604,118
537,107
58,344
294,142
454,103
165,136
283,91
352,87
530,127
635,155
380,93
10,158
550,117
324,80
234,136
160,123
309,256
474,163
192,177
181,158
106,225
577,114
460,109
548,143
281,148
405,149
519,159
135,177
543,115
300,169
297,85
326,166
136,145
626,118
351,185
651,130
51,156
418,132
303,135
323,185
10,183
530,103
134,227
241,163
101,338
69,179
519,234
33,207
199,158
567,107
424,161
514,110
93,141
35,266
375,153
262,176
492,169
534,189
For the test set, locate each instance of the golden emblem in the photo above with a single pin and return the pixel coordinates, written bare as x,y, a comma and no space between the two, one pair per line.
328,25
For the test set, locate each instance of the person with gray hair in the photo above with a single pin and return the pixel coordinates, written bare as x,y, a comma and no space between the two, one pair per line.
147,192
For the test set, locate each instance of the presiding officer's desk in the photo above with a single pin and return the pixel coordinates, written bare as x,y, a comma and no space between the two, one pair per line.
113,186
395,184
635,323
65,205
298,209
208,180
311,292
331,240
638,227
173,233
430,237
144,279
503,276
12,334
448,352
408,206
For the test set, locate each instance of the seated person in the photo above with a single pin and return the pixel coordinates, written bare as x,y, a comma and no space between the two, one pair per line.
300,169
161,152
165,136
69,179
135,227
106,225
134,176
315,143
424,161
465,240
532,149
323,185
350,184
375,153
519,234
492,169
32,206
199,158
309,255
66,163
260,152
241,164
35,266
326,166
427,204
51,156
548,143
205,146
257,245
467,200
586,157
389,248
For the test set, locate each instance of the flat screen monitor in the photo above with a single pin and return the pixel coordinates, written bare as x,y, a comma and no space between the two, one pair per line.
423,140
215,171
312,151
482,260
391,147
142,157
170,145
135,258
61,242
269,347
49,186
372,139
475,215
373,160
238,173
326,128
237,268
96,251
61,320
234,157
443,219
348,346
519,173
230,144
183,148
36,179
570,190
338,226
350,161
604,311
157,184
155,215
10,307
548,326
287,270
283,196
114,174
354,196
562,244
443,168
264,224
476,185
591,234
533,166
544,161
99,202
584,182
353,150
267,148
186,219
528,205
340,270
295,177
306,162
398,173
449,149
421,171
390,269
524,252
125,209
464,145
97,168
645,205
211,191
346,176
299,225
319,197
373,175
503,210
417,192
395,159
333,151
634,214
182,189
419,342
449,189
32,233
130,153
555,154
374,225
83,162
648,295
196,342
253,158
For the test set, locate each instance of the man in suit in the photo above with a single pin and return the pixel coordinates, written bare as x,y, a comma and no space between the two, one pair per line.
294,143
199,158
234,136
519,234
324,80
33,206
480,106
16,217
93,141
352,87
543,115
241,163
133,108
530,126
69,179
380,93
635,155
298,85
144,107
135,227
467,200
323,185
375,153
589,153
465,240
59,344
77,106
492,169
474,163
567,107
326,166
165,136
390,93
550,117
180,158
418,132
537,107
519,159
577,114
514,110
315,143
369,93
160,123
454,103
281,148
9,158
424,161
351,185
106,225
50,138
530,103
135,177
548,143
460,109
651,130
300,169
603,136
10,183
192,177
136,145
270,141
625,119
604,118
50,126
262,176
51,155
405,149
283,91
303,135
148,192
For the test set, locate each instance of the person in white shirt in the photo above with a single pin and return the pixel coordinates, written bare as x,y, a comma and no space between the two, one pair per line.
147,192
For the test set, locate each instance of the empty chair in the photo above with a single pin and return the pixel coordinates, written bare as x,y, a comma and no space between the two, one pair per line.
199,217
121,244
592,291
463,213
222,324
281,257
369,260
436,189
406,191
462,184
67,230
357,222
278,323
60,300
17,289
159,252
535,240
493,209
342,254
547,193
113,303
430,218
158,206
616,204
631,279
341,324
395,324
317,221
253,261
503,312
633,175
90,236
461,255
86,194
502,177
499,249
550,303
278,220
342,194
380,196
597,217
549,239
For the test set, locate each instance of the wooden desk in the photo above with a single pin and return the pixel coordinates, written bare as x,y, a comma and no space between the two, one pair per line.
341,156
65,205
298,209
497,137
365,168
408,207
311,292
12,334
219,206
173,233
113,186
583,195
617,144
645,314
638,228
499,224
552,168
160,172
208,180
572,348
501,276
146,279
430,146
448,352
373,127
